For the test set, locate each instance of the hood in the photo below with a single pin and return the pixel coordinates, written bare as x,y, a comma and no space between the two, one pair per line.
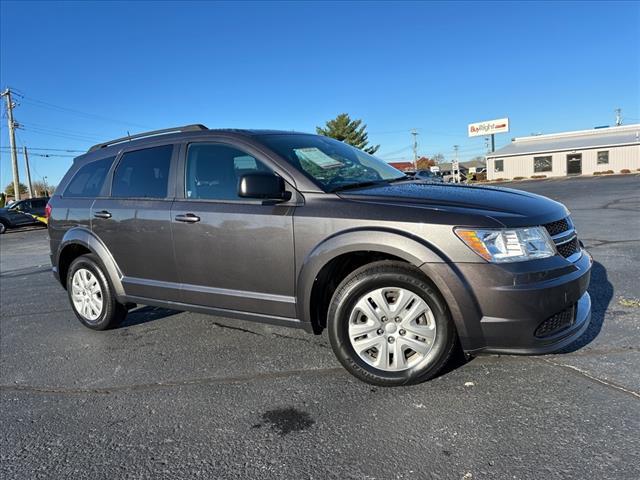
510,207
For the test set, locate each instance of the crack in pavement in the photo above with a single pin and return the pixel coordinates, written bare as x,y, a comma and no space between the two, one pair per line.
25,271
169,384
585,374
601,243
237,328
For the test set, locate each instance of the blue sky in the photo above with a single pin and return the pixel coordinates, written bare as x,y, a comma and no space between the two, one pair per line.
118,67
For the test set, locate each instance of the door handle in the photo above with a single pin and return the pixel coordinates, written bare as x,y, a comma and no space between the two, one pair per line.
102,214
188,218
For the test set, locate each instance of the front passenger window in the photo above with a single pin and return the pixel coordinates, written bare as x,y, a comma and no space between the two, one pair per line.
213,171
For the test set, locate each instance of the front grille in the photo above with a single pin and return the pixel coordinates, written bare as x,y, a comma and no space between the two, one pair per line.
557,323
554,228
569,248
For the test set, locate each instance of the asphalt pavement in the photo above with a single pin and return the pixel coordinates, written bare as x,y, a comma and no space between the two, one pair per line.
183,395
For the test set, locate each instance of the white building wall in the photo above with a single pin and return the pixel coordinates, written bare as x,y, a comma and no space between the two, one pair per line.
620,158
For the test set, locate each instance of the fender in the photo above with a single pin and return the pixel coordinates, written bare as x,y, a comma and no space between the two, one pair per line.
85,237
414,250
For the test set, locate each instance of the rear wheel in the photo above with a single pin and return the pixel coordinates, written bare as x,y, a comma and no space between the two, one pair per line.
388,326
91,294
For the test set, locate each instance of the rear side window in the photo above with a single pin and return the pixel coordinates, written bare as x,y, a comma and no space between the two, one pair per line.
88,180
143,173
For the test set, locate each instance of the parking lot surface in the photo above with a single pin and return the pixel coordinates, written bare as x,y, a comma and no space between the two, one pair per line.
178,395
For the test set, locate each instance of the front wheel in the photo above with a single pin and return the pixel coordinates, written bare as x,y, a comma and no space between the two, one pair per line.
91,294
3,227
388,325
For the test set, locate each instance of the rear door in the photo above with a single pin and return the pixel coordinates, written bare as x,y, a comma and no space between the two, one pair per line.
134,222
233,253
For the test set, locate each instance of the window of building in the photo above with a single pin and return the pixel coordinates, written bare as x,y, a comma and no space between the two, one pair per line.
603,157
88,180
542,164
143,173
498,165
213,171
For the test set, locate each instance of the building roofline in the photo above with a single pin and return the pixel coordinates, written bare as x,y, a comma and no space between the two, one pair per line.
570,149
578,133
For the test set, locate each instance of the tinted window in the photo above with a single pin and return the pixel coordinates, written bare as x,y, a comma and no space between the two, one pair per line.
143,173
603,157
542,164
498,166
38,203
88,180
22,206
213,171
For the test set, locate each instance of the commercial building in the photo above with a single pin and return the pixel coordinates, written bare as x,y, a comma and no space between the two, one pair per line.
583,152
403,166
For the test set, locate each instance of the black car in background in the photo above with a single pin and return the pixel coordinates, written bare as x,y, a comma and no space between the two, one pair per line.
21,213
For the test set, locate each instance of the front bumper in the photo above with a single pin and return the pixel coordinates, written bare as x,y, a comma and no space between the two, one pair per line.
550,344
499,308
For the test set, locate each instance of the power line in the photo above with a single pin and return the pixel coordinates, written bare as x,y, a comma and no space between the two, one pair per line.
395,152
50,149
52,106
61,130
60,135
48,155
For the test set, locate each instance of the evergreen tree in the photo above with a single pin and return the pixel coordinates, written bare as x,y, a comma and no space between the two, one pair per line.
9,189
348,131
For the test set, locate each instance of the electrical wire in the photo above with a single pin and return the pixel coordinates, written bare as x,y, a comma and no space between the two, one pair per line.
49,149
51,106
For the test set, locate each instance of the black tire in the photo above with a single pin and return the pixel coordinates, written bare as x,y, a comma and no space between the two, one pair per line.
3,227
382,275
112,312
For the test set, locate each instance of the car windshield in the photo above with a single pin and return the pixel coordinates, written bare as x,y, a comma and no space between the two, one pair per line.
331,164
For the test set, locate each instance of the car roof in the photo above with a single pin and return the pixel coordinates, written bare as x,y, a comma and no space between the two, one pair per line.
178,133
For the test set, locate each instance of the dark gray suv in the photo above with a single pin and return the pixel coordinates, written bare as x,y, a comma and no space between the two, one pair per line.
305,231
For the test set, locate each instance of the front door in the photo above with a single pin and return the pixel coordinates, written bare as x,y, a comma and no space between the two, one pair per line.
574,164
19,213
233,253
135,223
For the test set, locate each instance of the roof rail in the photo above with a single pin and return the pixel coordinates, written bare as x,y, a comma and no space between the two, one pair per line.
186,128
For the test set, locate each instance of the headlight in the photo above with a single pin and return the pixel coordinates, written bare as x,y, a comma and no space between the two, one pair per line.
508,245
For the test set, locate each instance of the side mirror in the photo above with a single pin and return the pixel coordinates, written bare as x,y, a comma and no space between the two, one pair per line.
263,185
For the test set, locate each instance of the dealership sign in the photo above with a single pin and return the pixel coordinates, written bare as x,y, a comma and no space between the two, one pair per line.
489,127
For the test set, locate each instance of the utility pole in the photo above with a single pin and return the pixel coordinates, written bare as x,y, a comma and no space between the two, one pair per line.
26,163
456,166
618,117
414,132
12,142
